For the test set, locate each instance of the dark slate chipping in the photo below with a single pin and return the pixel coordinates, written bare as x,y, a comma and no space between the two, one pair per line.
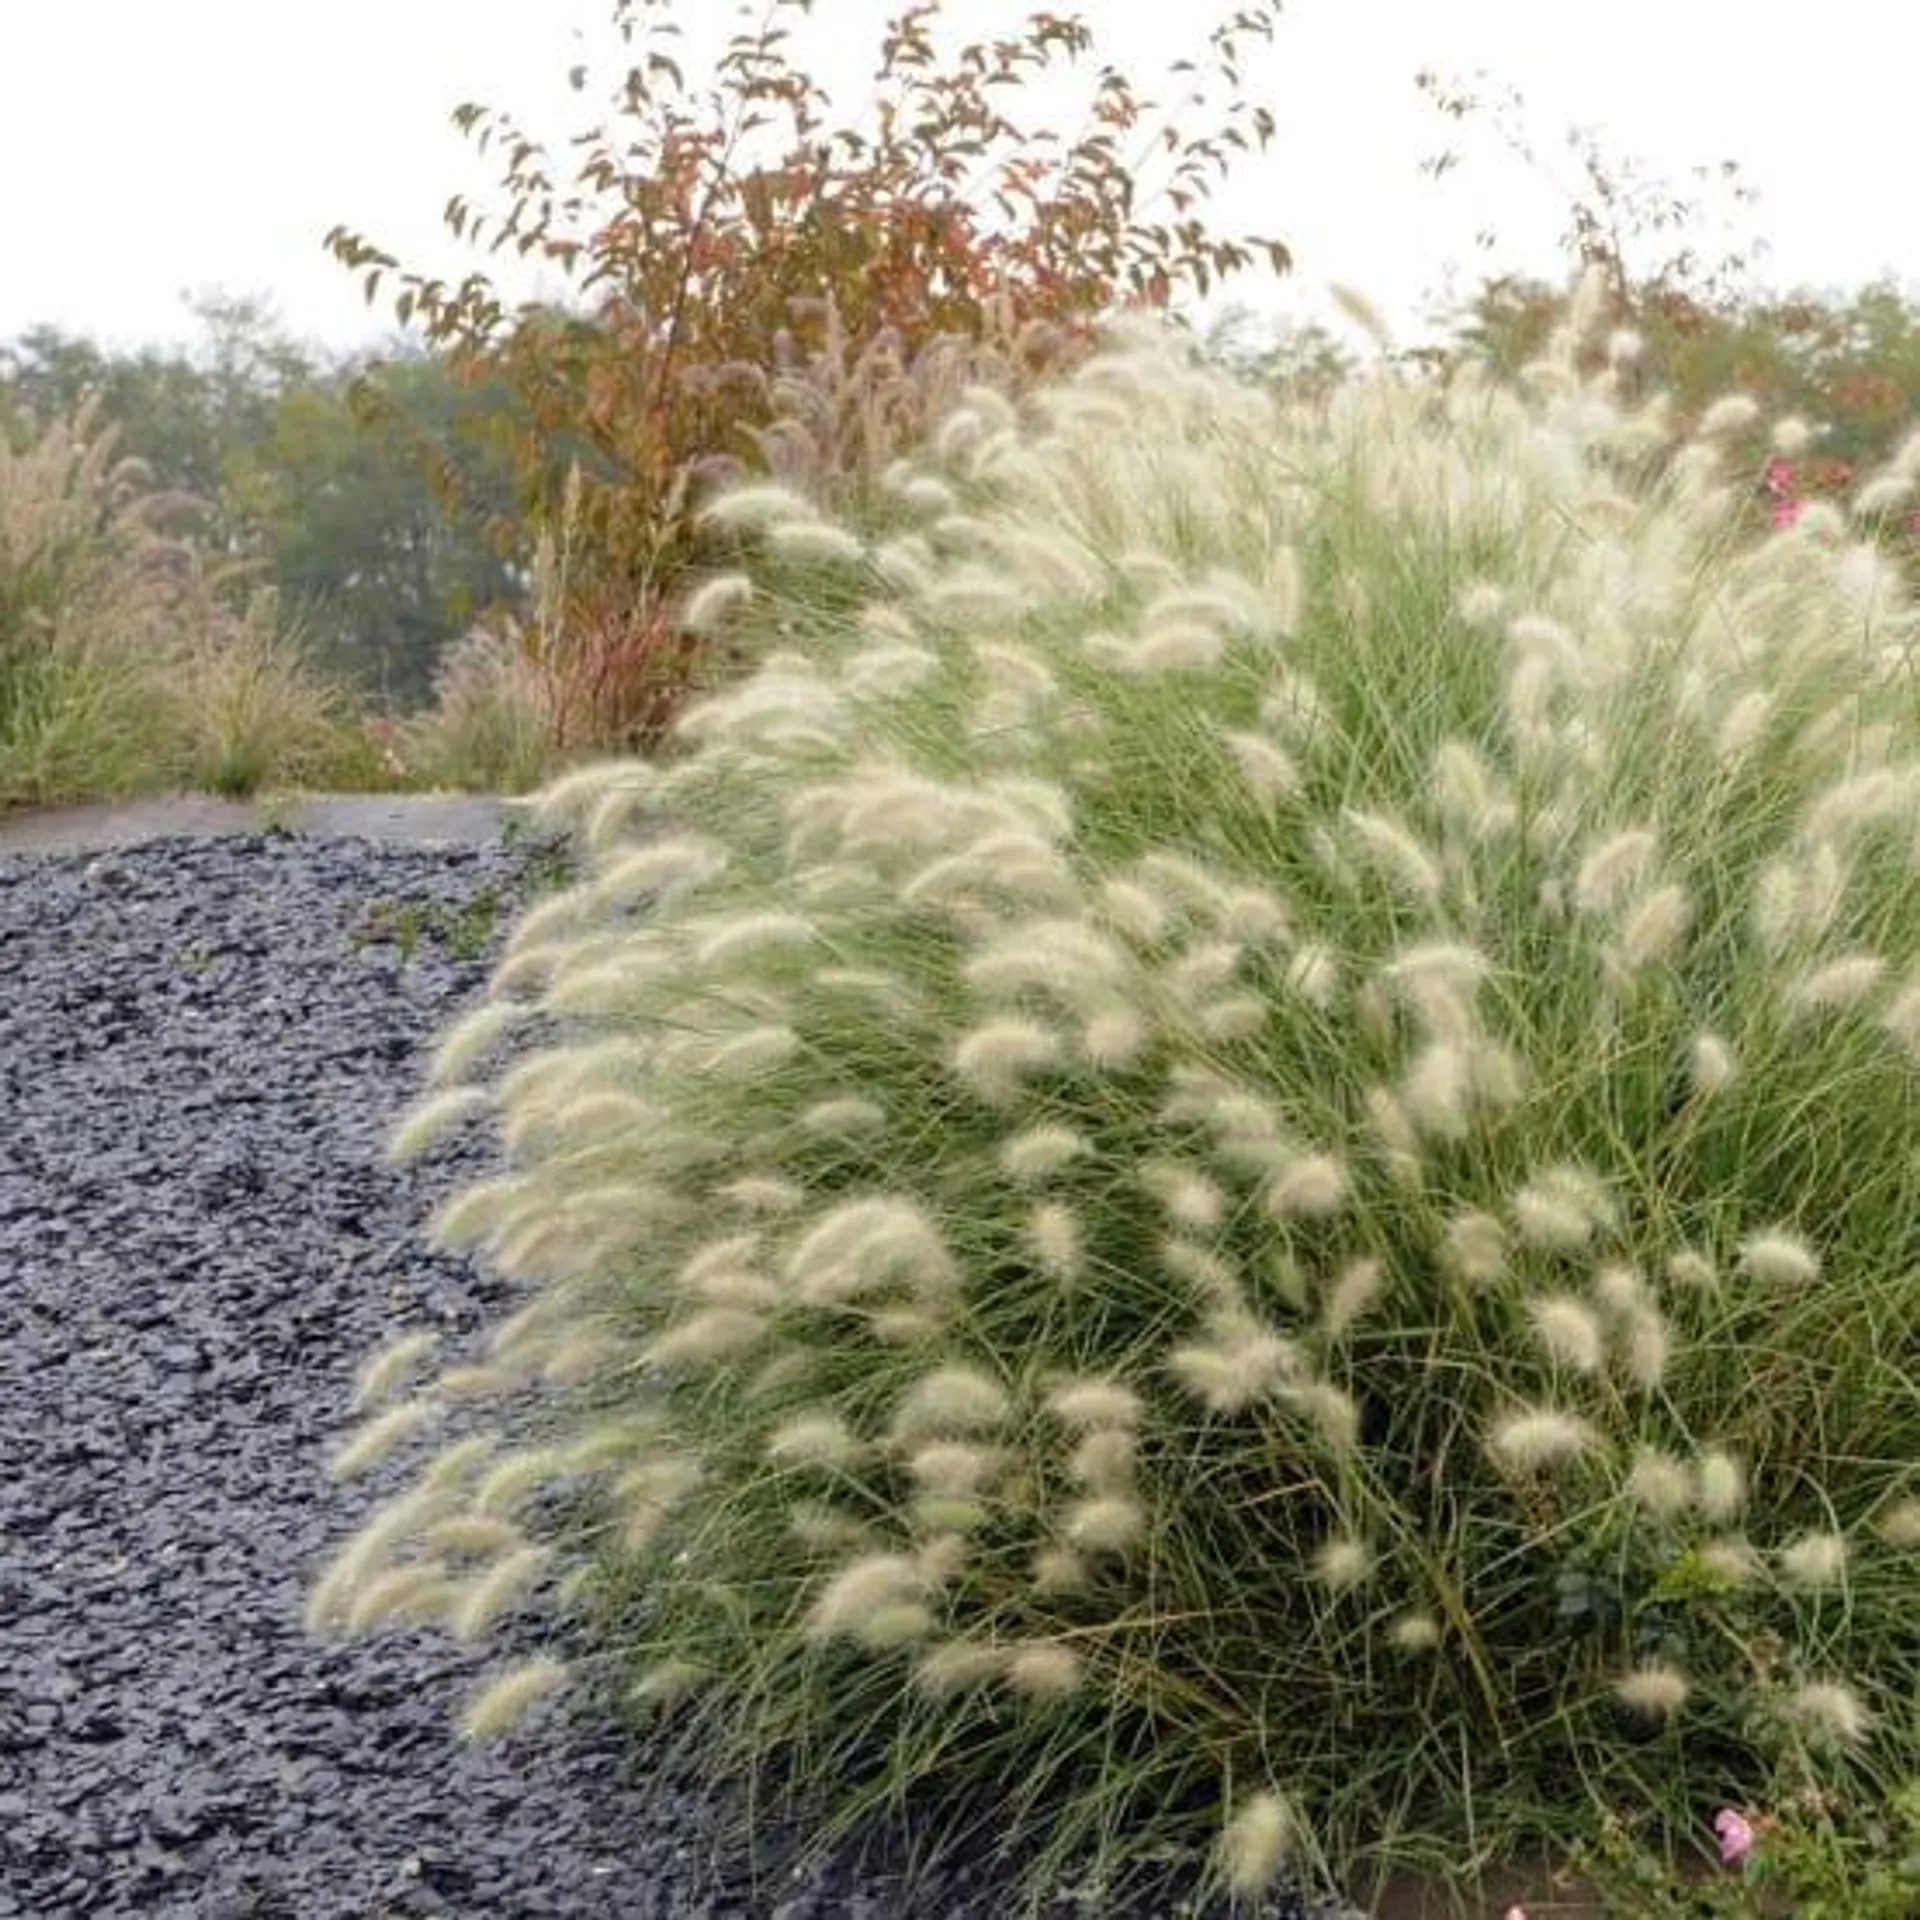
202,1046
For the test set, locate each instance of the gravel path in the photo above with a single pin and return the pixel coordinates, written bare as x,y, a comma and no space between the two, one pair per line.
202,1045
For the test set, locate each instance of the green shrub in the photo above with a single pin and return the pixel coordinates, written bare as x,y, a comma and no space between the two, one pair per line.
1251,1150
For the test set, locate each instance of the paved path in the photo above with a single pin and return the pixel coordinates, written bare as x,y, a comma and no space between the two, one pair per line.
397,819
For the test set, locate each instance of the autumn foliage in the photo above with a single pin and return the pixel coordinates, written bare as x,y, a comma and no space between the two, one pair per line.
746,259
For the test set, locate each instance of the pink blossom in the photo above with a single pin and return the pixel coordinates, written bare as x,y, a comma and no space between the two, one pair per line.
1777,476
1515,1913
1736,1836
1786,513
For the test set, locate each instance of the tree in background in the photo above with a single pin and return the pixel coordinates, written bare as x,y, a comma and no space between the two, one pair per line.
184,417
383,574
727,243
329,508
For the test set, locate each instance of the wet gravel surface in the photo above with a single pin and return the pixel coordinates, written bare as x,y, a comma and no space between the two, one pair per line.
203,1044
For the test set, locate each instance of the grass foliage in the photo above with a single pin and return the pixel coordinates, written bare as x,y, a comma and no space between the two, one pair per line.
1236,1151
127,664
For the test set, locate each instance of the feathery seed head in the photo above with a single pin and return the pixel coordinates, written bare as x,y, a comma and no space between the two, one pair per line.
1045,1670
1109,1523
956,1666
667,1681
1617,864
386,1370
1392,850
1653,929
1729,1560
1899,1525
1540,1439
473,1536
1343,1563
1134,910
1649,1346
472,1037
763,505
1094,1405
1569,1333
869,1588
1191,1202
435,1117
900,1625
1829,1714
408,1596
951,1400
1562,1209
1059,1570
504,1704
827,1530
1779,1258
1208,1273
1815,1560
864,1246
759,1195
1659,1484
1114,1038
1329,1410
996,1058
1104,1460
1269,770
1236,1365
714,601
1838,985
707,1339
1415,1633
1619,1289
1035,1156
1732,413
1435,1095
1719,1486
1473,1247
1711,1066
378,1437
1054,1239
1355,1293
1256,1844
813,1440
954,1468
1313,1187
1652,1691
846,1117
1314,974
490,1594
1693,1272
661,870
816,540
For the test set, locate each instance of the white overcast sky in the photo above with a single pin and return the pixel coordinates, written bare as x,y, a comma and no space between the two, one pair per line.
150,147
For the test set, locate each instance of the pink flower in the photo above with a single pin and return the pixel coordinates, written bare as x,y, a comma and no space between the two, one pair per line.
1514,1913
1736,1836
1786,513
1777,476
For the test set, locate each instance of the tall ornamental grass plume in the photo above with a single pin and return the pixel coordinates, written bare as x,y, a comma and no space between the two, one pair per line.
1235,1154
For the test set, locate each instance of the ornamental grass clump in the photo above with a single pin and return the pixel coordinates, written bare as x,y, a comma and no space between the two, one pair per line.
1242,1163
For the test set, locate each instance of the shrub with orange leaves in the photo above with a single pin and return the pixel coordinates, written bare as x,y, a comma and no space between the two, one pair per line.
734,247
